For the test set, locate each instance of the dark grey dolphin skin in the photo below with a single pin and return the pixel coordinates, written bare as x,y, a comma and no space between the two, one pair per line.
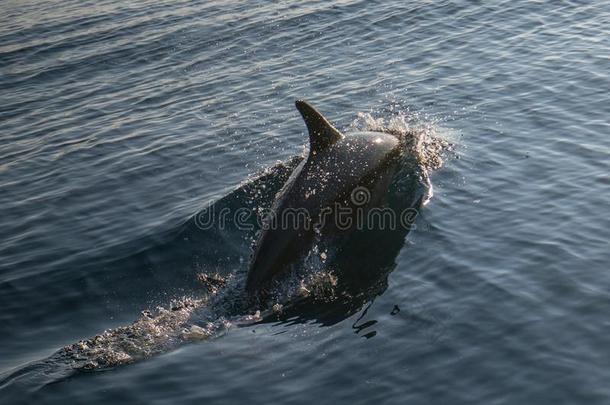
337,165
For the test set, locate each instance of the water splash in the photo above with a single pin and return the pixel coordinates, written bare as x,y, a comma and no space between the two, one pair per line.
191,319
154,332
422,138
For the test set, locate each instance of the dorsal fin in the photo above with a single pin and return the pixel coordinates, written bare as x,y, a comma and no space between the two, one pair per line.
321,133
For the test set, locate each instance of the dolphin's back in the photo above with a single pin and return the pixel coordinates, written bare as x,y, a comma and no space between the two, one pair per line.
336,171
335,166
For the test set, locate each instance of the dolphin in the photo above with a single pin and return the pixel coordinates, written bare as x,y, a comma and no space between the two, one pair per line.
340,172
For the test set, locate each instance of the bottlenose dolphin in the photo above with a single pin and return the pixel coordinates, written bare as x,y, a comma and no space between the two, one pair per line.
341,172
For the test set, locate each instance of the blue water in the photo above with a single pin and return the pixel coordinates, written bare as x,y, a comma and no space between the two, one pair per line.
121,121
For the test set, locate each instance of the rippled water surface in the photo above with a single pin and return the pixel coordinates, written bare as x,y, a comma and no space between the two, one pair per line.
121,121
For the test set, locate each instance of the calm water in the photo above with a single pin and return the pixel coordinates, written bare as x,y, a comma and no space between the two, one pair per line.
122,120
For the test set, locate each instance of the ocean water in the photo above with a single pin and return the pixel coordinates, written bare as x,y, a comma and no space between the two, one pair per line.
122,122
